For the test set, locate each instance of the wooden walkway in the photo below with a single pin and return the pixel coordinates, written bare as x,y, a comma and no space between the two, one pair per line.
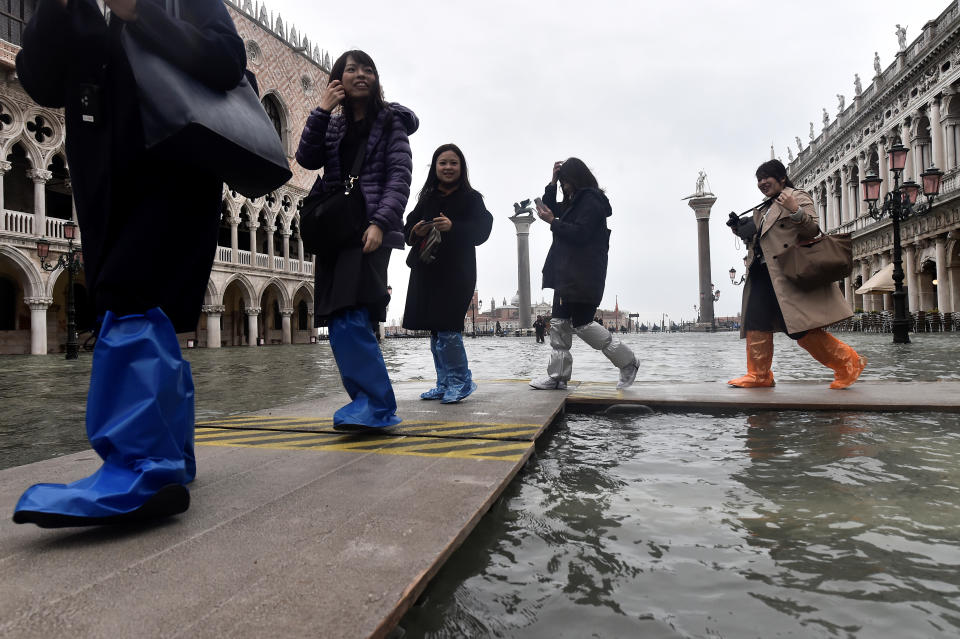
296,530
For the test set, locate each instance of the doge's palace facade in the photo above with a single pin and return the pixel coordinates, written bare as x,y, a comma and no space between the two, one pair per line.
915,101
261,287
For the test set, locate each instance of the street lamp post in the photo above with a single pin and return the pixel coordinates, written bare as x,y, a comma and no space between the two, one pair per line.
71,262
899,204
473,323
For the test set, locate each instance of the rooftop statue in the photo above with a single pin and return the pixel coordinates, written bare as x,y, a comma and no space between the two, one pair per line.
799,144
901,37
840,103
812,135
876,63
857,87
826,118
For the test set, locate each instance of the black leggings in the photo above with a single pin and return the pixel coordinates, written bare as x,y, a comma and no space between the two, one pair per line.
578,313
763,310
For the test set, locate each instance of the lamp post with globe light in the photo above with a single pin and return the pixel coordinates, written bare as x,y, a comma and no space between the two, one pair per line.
71,262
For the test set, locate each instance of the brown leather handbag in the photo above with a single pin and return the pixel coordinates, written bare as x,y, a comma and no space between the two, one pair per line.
824,260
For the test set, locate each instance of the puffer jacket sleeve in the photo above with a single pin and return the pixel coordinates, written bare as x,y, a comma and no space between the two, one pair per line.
550,198
399,174
312,151
581,222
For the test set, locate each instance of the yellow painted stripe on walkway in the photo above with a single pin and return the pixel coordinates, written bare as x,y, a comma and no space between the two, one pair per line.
417,446
429,427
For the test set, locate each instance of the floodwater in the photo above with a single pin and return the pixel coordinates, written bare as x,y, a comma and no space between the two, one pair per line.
677,524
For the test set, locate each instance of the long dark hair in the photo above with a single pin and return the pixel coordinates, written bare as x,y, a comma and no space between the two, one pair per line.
575,173
375,103
776,170
430,185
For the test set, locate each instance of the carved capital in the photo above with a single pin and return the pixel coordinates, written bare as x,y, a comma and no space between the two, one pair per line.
39,176
5,166
286,312
38,303
213,309
253,310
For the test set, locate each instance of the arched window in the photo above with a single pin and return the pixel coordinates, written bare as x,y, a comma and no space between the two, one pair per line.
275,112
58,198
17,187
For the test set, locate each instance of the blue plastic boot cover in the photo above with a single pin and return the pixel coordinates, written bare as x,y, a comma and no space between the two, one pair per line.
454,357
362,371
140,422
441,387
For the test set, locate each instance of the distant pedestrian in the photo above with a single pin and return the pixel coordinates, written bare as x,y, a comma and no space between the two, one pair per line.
576,269
539,328
440,291
351,283
499,331
146,274
771,303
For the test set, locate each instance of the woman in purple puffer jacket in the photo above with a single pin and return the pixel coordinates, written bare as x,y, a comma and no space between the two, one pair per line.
351,285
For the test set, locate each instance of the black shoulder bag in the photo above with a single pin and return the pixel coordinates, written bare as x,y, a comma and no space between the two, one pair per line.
225,132
333,220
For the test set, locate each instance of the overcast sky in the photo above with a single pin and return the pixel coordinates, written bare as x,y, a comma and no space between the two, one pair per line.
647,94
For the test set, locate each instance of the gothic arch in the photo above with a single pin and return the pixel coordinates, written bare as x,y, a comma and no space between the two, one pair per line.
29,149
281,291
34,286
212,295
279,114
249,295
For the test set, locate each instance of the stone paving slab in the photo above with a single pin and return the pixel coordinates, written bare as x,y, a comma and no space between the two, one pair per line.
297,530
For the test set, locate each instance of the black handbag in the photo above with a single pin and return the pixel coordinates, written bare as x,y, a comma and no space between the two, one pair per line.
225,132
333,220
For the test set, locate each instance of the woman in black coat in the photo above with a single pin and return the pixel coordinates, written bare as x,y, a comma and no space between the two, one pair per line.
576,270
149,224
440,291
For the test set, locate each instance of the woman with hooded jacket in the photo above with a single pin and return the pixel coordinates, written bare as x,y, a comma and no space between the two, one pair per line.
576,270
351,284
440,292
772,303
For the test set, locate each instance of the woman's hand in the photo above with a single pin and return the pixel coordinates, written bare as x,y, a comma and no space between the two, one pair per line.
421,228
545,213
556,171
442,223
372,238
332,96
788,202
126,10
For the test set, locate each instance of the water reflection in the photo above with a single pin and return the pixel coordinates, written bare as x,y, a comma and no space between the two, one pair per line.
697,525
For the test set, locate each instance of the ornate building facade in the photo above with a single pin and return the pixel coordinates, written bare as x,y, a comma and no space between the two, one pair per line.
261,287
914,101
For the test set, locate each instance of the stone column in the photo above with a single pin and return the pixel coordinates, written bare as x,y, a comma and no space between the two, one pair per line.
252,335
910,277
286,248
936,134
831,205
38,323
40,178
300,251
887,299
848,288
943,278
844,194
522,224
702,203
908,171
285,314
4,167
253,226
861,206
864,276
951,161
214,312
234,240
271,251
883,164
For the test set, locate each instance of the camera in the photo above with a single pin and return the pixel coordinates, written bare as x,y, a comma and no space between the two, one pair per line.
743,227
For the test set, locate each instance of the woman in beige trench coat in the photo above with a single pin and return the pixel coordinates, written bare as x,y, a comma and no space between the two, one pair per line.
771,303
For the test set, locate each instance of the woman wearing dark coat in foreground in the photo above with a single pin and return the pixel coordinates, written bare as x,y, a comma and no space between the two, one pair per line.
134,205
439,293
576,270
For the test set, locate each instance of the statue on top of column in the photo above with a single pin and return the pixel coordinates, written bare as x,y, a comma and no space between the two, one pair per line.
901,37
876,63
701,181
840,103
857,86
799,144
789,154
826,118
812,135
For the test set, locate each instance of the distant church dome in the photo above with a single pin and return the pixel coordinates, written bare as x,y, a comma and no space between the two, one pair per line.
515,300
